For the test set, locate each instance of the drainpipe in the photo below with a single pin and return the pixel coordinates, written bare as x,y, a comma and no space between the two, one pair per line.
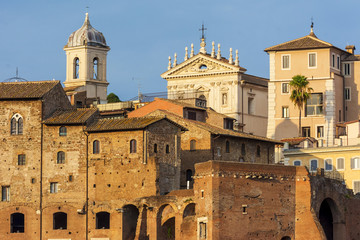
87,184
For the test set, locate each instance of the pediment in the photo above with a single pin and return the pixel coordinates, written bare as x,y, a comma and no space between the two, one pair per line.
201,64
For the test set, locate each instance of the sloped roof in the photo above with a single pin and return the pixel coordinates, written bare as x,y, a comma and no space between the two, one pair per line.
255,80
71,116
125,124
308,42
352,58
215,130
182,104
298,140
25,90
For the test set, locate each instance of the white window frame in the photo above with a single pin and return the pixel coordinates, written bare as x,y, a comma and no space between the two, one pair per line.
355,168
54,187
332,166
317,131
282,88
202,220
315,60
347,88
353,185
282,58
337,165
333,60
297,160
7,197
317,165
287,115
344,70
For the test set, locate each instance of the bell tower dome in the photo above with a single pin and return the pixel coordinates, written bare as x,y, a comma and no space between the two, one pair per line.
86,52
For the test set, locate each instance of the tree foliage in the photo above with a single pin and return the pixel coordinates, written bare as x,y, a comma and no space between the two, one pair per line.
113,98
300,93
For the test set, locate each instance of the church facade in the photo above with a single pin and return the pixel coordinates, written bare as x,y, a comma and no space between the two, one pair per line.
224,85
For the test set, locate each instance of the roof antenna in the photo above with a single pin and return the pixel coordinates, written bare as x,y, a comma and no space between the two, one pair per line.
16,78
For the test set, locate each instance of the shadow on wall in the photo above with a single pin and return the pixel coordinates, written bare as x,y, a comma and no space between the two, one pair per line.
286,129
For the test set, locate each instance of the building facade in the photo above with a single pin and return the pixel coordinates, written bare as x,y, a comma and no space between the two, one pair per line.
224,85
331,72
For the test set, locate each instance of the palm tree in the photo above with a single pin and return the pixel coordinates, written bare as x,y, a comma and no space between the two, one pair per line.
300,93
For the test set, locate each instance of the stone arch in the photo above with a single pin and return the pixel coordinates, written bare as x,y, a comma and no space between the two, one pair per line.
165,221
189,210
130,219
331,219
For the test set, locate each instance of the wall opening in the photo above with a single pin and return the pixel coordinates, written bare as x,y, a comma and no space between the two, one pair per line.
166,223
189,210
130,219
326,219
60,220
17,223
102,220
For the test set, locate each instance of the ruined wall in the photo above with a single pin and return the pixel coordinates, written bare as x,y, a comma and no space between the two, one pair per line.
259,198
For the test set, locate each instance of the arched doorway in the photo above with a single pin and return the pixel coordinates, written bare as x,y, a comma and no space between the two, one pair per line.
130,219
326,219
166,223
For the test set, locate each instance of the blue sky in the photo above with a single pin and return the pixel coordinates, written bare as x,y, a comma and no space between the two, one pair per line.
143,33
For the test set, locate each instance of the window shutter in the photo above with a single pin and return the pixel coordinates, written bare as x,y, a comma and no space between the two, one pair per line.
352,163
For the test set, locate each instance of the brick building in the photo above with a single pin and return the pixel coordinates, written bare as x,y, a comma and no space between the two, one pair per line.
210,135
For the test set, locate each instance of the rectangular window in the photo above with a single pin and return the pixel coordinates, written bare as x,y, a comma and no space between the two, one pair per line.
285,62
314,105
285,88
328,165
333,60
53,187
21,159
355,163
228,124
338,62
305,131
347,93
191,115
340,164
312,60
356,188
202,232
320,131
285,112
5,193
346,70
313,165
251,107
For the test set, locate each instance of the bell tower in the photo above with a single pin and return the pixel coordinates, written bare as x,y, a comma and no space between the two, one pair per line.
86,53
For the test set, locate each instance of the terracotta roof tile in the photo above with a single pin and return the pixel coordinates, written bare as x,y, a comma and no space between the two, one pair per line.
71,116
297,140
307,42
124,124
25,90
255,80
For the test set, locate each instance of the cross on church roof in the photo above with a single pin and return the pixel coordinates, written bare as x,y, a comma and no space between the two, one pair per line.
202,29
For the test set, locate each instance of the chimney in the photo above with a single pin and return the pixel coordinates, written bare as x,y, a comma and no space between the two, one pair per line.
350,48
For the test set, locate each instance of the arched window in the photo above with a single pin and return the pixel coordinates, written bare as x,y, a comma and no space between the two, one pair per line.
227,148
243,150
95,68
258,151
60,220
16,124
313,165
102,220
133,146
76,68
17,222
192,145
60,157
189,175
155,148
62,131
96,147
167,148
